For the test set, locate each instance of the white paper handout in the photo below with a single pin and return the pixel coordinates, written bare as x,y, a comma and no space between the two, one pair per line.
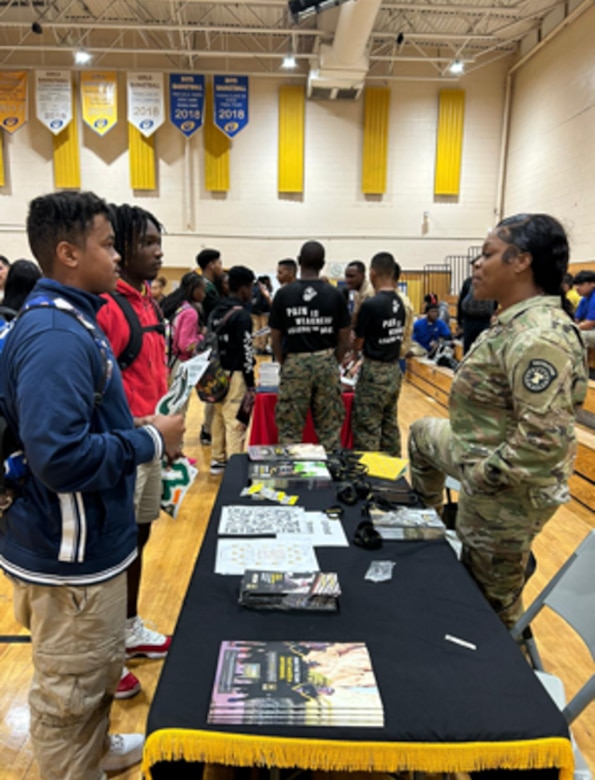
321,530
187,375
238,520
234,556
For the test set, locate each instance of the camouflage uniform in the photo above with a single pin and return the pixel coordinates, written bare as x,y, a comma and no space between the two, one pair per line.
374,420
510,441
310,380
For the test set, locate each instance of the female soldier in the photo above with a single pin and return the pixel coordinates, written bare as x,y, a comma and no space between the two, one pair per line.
510,439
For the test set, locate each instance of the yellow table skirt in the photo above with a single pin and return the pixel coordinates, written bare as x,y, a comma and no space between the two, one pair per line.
233,749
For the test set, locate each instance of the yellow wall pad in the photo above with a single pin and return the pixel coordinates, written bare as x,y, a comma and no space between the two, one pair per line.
338,755
141,155
449,141
67,160
292,112
375,142
217,146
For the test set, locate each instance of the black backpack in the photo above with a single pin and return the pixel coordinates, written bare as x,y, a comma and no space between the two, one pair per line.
135,342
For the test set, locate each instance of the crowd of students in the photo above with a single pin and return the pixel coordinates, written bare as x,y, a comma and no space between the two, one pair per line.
90,349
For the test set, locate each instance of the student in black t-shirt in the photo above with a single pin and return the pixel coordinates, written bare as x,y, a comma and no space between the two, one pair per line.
236,355
310,327
379,333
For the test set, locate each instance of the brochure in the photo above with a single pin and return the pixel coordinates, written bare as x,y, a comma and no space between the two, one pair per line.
303,683
285,590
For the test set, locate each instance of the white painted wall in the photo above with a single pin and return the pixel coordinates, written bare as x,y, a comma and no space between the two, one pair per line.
551,156
252,223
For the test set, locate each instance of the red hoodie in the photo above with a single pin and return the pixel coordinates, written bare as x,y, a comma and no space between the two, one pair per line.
145,381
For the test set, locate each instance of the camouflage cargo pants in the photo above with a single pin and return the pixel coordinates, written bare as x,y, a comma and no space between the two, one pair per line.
496,529
374,420
310,381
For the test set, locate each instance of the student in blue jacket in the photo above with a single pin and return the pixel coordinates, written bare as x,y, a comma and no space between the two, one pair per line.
428,330
69,535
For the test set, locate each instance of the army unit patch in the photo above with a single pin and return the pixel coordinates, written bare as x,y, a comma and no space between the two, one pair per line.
539,375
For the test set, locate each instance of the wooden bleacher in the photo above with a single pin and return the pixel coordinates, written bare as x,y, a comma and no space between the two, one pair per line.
435,382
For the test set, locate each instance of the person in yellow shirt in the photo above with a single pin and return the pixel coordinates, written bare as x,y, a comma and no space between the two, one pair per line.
572,296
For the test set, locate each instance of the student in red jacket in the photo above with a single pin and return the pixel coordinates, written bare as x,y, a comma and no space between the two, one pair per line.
128,314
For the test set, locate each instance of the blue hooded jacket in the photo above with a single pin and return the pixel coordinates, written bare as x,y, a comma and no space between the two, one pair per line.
72,521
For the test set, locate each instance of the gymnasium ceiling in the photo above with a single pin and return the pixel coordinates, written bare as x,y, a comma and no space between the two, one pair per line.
403,39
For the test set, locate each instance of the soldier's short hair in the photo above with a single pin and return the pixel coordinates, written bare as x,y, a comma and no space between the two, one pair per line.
384,264
312,256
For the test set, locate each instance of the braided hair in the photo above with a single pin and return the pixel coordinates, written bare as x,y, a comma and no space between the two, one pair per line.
544,238
130,226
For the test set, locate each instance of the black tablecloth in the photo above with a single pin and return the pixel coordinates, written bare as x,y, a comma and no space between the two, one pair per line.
433,691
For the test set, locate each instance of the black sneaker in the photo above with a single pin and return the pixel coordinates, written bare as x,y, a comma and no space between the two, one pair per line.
205,438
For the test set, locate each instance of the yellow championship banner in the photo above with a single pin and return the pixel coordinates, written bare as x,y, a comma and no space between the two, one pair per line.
13,100
99,100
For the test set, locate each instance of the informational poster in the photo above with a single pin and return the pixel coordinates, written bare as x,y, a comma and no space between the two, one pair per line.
13,100
146,106
53,99
99,100
231,103
186,102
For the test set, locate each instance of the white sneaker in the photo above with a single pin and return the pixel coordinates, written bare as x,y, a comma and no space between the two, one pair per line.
124,751
141,640
217,467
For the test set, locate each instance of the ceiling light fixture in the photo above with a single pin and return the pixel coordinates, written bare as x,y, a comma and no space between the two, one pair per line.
82,57
301,9
457,68
289,62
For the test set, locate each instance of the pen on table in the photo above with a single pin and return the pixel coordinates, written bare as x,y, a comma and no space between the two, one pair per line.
457,641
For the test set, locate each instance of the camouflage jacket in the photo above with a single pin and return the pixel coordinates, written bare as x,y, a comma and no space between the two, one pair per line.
513,402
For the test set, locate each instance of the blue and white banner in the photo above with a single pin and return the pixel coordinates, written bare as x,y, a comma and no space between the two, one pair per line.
146,105
186,102
231,103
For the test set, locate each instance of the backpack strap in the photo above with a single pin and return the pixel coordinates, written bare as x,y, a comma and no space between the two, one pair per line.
13,464
100,340
135,341
8,313
216,330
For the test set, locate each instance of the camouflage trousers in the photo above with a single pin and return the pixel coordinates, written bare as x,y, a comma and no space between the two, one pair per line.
310,381
496,529
374,418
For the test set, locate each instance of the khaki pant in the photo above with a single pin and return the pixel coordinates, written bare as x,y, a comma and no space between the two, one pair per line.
228,432
208,414
259,321
496,529
77,636
147,492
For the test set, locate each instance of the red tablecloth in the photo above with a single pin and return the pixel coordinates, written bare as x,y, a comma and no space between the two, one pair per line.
264,431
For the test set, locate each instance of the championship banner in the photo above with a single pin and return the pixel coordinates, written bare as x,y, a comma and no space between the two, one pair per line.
99,100
146,107
13,100
231,103
186,102
53,99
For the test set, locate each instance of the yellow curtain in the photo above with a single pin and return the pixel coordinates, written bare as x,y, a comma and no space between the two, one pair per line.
67,160
141,154
217,146
292,101
449,141
375,143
